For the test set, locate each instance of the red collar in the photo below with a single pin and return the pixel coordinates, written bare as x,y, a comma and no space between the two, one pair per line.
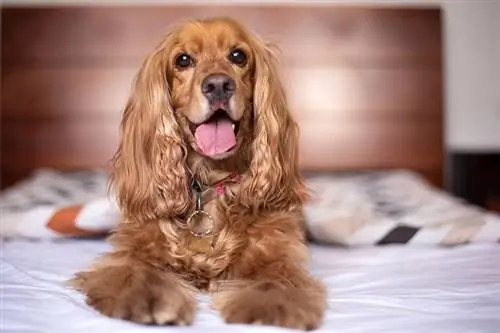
209,193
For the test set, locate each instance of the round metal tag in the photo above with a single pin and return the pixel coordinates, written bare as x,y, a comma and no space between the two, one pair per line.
191,218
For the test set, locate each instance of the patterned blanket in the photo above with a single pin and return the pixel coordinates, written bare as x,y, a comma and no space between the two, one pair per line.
373,208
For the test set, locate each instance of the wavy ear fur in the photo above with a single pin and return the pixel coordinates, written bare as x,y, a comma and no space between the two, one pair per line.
274,179
148,171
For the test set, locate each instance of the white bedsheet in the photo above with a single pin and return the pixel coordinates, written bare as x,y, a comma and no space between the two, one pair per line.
390,289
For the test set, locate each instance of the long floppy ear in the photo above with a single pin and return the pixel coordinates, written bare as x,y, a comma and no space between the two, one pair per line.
148,173
274,179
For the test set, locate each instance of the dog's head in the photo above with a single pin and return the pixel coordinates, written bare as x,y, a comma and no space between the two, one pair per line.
211,74
210,87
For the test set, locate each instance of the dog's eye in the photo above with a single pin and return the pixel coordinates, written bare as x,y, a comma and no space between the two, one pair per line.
183,60
238,57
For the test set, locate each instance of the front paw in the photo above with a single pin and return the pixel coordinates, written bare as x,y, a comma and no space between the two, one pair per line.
143,296
287,307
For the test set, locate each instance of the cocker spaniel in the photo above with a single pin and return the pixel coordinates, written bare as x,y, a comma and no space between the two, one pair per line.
206,175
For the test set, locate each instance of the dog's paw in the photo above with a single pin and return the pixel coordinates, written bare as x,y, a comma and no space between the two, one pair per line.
290,308
142,297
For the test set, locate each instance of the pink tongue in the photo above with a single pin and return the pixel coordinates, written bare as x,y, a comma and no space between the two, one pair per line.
215,137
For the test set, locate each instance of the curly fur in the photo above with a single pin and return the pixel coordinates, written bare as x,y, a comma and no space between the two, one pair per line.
256,269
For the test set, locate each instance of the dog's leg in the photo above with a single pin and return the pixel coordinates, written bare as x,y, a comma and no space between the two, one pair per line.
125,289
133,283
275,287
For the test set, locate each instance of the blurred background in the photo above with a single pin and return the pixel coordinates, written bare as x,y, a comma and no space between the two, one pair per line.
411,84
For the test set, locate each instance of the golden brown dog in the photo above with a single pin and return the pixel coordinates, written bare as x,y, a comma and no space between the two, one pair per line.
207,178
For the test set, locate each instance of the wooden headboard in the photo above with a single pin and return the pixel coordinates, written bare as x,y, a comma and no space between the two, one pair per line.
365,84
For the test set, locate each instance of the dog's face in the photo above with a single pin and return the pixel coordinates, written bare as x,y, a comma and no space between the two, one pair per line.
211,79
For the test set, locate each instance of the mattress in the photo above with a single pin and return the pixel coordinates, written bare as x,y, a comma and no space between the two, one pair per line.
392,288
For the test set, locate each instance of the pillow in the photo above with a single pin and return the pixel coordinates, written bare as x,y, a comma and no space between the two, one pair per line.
352,209
387,207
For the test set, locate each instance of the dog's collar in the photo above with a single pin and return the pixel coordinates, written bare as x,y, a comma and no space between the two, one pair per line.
203,194
209,193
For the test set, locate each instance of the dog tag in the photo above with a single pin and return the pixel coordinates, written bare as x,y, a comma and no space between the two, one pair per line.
200,225
200,244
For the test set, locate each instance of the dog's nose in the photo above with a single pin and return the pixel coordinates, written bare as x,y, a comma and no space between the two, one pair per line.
218,87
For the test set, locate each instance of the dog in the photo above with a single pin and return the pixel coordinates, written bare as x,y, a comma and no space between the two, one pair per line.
206,175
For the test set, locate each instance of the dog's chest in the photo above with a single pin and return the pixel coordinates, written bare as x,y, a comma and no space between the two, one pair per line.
206,255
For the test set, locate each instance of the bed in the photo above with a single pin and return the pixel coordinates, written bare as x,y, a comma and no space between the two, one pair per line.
390,289
397,252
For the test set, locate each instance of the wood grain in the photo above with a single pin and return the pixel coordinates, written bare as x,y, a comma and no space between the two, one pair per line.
121,36
328,91
70,92
365,84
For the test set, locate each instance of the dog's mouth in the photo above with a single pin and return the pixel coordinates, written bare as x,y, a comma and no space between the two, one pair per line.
217,135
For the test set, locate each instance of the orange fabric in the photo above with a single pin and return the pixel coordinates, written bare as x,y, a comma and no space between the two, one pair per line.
64,222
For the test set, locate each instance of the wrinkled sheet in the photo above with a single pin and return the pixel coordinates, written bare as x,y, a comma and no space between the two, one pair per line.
372,289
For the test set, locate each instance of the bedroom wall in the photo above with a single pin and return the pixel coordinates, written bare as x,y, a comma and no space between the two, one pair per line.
473,75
